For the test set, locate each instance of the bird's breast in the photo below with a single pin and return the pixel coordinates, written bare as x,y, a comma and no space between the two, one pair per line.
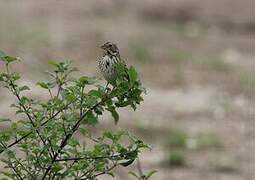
107,67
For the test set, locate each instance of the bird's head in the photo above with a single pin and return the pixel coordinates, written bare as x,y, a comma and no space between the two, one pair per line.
110,48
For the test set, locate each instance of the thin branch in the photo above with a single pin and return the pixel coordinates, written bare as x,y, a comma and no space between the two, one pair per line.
10,165
54,175
25,109
64,127
89,172
68,136
44,142
16,171
58,92
60,83
93,139
81,109
68,168
29,133
86,158
101,173
139,167
51,96
38,161
51,147
23,167
29,117
20,165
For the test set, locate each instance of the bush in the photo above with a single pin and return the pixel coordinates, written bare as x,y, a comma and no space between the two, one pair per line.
176,158
177,138
54,140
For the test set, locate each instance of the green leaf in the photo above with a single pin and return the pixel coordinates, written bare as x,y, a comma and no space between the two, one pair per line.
70,97
23,88
133,174
19,111
5,136
114,113
7,59
91,119
5,174
95,93
73,142
10,153
1,77
99,110
109,135
43,85
91,80
15,76
127,163
122,104
60,67
86,80
24,100
83,131
5,120
2,54
150,174
57,167
111,174
14,126
53,63
132,74
56,118
10,59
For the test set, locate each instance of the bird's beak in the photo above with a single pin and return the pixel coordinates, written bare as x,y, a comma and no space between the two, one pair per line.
103,47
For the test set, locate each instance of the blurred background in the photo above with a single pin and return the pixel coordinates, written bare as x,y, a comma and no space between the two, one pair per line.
195,57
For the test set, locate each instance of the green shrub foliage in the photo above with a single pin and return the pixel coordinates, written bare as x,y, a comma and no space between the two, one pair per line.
51,139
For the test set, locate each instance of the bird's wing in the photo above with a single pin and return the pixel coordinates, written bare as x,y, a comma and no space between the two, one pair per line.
123,62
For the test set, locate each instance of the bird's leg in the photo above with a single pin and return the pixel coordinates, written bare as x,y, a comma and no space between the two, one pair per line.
106,87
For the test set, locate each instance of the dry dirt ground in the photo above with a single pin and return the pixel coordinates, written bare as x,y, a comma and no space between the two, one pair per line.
196,58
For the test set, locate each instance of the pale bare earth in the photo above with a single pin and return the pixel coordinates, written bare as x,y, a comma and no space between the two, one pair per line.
196,58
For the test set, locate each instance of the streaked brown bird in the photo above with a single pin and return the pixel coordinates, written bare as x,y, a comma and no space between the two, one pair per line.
107,64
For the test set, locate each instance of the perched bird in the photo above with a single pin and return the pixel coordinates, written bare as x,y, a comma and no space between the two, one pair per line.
107,64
